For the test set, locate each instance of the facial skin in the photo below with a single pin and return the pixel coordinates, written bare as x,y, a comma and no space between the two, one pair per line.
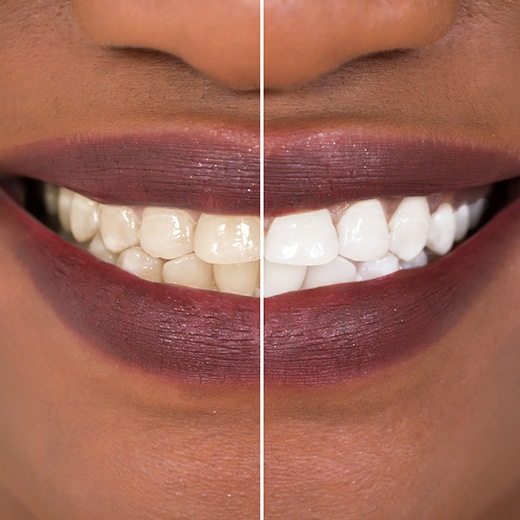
432,437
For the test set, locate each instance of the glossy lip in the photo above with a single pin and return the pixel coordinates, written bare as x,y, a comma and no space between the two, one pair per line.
317,337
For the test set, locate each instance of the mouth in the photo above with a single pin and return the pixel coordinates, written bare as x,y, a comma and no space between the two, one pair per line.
185,334
404,289
150,247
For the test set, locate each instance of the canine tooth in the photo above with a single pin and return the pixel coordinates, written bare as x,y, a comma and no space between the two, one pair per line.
189,270
475,212
84,218
50,199
409,227
419,261
119,227
462,217
64,202
136,261
340,270
441,232
302,239
166,233
383,266
227,239
282,278
99,250
237,278
363,231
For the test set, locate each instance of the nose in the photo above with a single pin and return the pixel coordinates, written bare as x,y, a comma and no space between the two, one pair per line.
307,38
303,38
219,38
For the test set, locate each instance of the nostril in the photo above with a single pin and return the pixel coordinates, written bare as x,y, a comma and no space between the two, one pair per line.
306,39
221,40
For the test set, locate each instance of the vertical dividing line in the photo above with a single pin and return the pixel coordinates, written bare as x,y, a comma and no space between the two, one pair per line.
262,394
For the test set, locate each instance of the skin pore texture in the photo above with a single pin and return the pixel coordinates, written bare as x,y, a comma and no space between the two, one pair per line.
432,436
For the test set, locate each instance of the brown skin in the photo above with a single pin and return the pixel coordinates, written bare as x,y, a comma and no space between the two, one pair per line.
433,437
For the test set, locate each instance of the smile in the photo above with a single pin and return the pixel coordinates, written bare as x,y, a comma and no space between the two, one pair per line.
332,250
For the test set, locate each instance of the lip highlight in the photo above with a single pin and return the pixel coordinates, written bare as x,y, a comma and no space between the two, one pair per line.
317,337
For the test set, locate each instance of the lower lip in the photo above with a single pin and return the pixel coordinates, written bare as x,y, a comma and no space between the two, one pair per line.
317,337
335,334
189,336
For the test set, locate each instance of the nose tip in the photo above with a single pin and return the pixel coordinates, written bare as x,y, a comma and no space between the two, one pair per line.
220,39
305,38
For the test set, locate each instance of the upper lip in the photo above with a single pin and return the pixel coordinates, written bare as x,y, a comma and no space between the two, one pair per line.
320,336
204,169
310,169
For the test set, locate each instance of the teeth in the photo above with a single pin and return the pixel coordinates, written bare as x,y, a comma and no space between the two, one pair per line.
342,244
363,231
419,261
64,203
227,239
98,249
84,218
119,228
441,233
237,278
383,266
340,270
409,227
189,270
282,278
475,212
302,239
50,199
136,261
462,217
166,233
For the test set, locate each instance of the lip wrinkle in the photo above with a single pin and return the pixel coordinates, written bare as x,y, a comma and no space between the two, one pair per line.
332,334
200,169
313,170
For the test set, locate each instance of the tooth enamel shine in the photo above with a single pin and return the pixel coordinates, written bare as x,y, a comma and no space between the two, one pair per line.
302,250
302,239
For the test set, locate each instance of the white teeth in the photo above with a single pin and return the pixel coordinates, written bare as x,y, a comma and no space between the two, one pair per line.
282,278
64,202
84,218
475,212
409,227
302,250
419,261
441,232
136,261
383,266
99,250
227,239
237,278
462,218
189,270
166,233
363,231
119,227
302,239
340,270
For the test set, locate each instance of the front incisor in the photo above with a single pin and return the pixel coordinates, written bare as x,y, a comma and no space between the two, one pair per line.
223,239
